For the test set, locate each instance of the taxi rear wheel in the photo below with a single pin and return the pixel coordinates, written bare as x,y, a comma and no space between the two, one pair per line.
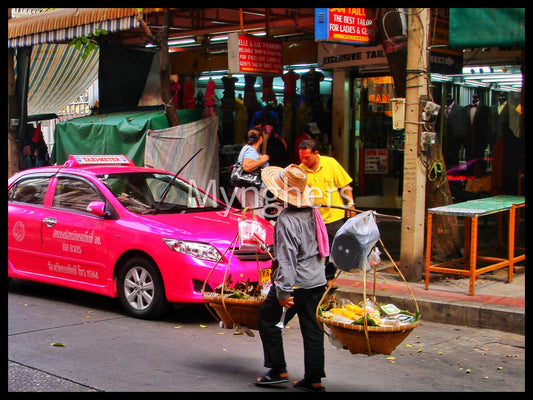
141,289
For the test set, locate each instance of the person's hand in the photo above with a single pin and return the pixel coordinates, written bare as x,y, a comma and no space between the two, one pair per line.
350,213
264,158
286,302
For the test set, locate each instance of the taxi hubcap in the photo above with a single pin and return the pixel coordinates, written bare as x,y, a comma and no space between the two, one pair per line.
139,288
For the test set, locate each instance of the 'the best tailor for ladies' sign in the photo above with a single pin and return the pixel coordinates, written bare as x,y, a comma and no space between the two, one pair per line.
349,25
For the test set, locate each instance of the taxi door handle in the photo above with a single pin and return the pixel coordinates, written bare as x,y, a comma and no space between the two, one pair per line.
49,221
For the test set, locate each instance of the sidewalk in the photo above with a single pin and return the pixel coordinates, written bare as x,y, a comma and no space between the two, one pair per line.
495,305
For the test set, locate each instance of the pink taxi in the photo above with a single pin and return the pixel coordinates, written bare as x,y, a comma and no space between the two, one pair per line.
104,225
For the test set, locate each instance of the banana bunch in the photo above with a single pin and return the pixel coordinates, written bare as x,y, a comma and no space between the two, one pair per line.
354,314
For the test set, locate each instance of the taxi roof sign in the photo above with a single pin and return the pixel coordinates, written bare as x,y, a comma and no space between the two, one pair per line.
97,159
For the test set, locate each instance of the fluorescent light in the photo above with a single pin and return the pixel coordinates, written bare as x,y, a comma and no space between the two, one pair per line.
440,78
475,83
219,38
502,79
181,41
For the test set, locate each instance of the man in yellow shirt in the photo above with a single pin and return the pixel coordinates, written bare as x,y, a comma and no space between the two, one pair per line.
330,186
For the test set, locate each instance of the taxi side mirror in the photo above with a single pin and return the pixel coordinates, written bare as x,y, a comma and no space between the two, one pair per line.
97,208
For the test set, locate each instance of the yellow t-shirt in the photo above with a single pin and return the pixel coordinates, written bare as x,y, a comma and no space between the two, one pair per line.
325,184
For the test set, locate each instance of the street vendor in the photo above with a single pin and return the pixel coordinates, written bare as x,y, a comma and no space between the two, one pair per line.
300,246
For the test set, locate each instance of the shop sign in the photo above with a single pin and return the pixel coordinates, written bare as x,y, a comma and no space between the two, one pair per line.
349,25
376,161
333,55
254,55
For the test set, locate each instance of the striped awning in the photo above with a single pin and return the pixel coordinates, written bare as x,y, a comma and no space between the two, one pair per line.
64,24
58,75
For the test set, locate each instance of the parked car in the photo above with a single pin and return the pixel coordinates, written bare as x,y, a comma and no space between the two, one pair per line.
104,225
462,173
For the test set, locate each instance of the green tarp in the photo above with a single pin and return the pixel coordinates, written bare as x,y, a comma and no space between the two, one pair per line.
485,27
115,133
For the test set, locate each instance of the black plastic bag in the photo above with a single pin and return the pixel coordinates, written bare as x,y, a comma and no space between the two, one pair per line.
354,241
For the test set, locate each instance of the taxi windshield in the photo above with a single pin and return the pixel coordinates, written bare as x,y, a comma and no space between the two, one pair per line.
141,193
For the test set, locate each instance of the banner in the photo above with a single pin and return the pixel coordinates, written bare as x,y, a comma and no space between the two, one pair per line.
169,148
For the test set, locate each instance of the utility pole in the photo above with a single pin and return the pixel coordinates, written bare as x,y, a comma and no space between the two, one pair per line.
414,172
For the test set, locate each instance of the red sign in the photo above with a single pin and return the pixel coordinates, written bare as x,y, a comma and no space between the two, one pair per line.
252,54
349,25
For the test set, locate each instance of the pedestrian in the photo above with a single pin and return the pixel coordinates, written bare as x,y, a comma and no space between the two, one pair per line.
330,185
276,145
298,276
251,158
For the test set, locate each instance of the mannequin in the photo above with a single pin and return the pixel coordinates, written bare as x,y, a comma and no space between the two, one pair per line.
268,90
228,107
473,107
289,91
311,87
188,92
478,128
250,97
209,99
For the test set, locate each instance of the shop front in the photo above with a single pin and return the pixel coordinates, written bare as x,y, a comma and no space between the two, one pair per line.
479,99
369,148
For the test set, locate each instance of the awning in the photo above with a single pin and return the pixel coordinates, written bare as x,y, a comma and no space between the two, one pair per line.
486,27
64,24
58,75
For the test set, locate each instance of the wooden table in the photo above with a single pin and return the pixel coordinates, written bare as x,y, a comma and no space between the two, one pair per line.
471,210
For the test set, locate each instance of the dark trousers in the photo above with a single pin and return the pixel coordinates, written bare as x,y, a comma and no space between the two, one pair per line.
305,304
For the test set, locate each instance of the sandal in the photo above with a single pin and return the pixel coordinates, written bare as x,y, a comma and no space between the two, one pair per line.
308,386
272,377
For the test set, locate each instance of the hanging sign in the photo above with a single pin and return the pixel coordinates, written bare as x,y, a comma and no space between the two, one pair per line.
349,25
254,55
337,55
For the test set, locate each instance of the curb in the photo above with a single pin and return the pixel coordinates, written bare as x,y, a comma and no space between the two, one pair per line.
475,314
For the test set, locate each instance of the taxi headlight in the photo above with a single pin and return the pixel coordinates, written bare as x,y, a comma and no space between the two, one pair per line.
203,251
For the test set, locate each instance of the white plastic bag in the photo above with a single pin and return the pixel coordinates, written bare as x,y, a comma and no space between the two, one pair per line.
251,234
354,241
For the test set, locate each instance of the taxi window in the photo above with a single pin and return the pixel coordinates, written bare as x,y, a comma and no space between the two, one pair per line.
74,194
31,190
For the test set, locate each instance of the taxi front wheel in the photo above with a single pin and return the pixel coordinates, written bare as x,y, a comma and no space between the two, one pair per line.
141,289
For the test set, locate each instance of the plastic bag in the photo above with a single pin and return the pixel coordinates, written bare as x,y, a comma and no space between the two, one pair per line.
354,241
251,234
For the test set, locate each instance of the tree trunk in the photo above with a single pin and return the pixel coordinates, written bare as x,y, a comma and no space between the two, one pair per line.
446,238
164,73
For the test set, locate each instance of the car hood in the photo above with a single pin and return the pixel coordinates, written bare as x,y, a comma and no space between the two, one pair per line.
215,227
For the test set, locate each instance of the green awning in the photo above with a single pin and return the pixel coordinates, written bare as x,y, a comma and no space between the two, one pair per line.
486,27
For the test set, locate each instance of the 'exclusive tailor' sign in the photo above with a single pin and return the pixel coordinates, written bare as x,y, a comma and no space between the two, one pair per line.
350,25
252,54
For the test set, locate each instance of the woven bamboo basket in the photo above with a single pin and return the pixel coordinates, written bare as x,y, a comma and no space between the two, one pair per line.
235,311
381,339
364,339
230,311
